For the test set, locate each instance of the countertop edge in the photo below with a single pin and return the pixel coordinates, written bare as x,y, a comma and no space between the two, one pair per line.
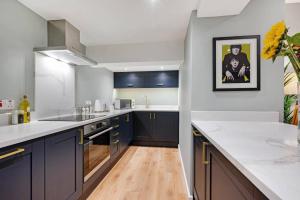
251,177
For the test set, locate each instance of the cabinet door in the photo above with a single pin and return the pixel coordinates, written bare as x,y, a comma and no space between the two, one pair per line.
224,180
143,126
128,80
199,168
166,127
129,128
123,133
22,172
161,79
64,166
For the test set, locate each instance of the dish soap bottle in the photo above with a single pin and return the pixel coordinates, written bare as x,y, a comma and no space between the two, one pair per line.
25,107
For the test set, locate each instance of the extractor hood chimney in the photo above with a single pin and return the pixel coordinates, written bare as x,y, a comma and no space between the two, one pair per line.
64,44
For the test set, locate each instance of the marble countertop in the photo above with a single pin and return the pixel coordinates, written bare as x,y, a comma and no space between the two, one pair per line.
10,135
14,134
267,153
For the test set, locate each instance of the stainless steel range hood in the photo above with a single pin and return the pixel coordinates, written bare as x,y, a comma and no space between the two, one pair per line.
64,44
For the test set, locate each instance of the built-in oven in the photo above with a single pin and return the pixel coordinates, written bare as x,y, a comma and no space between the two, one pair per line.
96,146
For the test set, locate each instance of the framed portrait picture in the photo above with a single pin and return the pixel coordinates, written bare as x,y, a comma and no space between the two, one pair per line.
236,63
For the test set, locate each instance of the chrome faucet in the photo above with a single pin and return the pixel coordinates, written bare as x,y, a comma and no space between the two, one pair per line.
146,103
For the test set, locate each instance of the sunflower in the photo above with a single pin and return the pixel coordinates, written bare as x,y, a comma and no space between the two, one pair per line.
273,39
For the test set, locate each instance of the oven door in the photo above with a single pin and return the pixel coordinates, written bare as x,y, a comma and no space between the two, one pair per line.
96,152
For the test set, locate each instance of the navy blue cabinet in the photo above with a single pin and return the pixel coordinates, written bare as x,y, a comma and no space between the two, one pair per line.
156,128
126,131
64,165
161,79
115,138
22,172
128,80
143,126
166,127
157,79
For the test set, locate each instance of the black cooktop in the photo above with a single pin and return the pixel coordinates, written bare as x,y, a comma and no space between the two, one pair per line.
72,118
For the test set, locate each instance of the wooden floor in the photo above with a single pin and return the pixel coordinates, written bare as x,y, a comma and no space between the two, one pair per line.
144,173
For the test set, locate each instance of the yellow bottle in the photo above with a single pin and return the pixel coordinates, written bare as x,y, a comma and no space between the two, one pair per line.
25,106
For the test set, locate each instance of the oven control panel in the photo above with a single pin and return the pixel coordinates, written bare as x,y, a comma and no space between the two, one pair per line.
97,126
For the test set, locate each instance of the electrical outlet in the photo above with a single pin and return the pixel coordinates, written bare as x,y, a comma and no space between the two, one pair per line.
10,104
7,104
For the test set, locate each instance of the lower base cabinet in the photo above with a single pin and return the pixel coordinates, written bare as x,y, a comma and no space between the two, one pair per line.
156,128
215,178
64,166
22,172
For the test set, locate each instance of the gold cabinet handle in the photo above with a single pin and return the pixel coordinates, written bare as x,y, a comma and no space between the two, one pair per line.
196,134
17,151
154,115
127,118
150,115
116,134
117,126
116,142
204,161
81,136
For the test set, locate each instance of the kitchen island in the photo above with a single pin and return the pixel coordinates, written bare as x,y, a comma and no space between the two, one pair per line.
266,153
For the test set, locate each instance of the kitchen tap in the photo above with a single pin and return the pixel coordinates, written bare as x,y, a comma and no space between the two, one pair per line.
146,103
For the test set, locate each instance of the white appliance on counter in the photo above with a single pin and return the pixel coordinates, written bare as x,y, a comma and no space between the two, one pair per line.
122,104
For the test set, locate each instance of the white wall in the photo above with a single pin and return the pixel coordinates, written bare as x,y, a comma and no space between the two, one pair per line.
292,16
156,96
92,84
254,20
21,31
54,87
185,82
147,52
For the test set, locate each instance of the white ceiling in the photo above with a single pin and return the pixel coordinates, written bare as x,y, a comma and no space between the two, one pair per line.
213,8
292,1
120,21
141,66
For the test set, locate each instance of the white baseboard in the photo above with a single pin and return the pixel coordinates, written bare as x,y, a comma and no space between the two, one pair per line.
190,196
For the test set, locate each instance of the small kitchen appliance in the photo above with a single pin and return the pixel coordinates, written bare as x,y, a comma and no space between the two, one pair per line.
123,104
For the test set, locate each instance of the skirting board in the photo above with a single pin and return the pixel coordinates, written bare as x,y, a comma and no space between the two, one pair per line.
190,197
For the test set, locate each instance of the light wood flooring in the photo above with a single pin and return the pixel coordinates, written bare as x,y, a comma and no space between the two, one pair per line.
144,173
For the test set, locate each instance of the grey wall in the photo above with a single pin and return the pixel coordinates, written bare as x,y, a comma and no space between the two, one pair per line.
92,84
21,30
254,20
292,16
185,82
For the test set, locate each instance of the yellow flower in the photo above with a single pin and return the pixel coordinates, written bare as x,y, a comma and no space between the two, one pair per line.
272,40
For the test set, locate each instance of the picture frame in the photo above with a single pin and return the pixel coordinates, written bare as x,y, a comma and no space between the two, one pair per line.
236,63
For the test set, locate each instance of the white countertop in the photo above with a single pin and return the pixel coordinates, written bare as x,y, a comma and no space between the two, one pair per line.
158,108
10,135
267,153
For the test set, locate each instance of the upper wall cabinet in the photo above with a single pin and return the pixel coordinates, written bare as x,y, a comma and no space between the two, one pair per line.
128,80
157,79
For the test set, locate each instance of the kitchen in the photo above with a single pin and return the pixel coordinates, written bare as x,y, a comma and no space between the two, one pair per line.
127,108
